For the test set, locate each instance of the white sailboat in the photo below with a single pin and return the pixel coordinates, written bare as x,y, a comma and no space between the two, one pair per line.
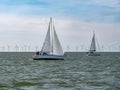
92,51
51,49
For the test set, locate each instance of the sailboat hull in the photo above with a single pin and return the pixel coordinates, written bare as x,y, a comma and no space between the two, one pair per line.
93,54
48,57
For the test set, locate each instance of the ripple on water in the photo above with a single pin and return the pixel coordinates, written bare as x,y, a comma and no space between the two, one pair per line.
77,72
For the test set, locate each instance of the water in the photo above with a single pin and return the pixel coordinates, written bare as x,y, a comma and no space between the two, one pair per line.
77,72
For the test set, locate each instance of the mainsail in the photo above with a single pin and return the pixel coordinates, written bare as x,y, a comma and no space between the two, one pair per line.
47,43
51,44
93,44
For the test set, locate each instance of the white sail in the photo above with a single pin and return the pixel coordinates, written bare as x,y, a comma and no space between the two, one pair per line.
51,43
57,49
93,44
92,51
47,43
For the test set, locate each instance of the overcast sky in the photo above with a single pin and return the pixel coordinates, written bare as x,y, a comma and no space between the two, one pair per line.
25,22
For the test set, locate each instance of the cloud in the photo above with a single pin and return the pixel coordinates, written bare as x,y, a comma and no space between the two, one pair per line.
107,3
14,22
32,31
26,22
86,10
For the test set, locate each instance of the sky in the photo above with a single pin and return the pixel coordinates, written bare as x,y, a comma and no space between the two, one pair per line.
25,22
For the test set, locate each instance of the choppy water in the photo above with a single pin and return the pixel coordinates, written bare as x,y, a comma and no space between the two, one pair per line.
77,72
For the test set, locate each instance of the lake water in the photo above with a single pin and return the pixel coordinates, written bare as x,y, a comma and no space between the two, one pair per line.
18,71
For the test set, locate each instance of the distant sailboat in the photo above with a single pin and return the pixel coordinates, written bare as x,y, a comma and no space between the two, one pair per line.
92,51
51,49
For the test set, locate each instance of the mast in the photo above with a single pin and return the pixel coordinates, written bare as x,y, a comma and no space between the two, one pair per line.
52,37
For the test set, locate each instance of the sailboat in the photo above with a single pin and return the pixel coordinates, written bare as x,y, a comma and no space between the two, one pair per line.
92,51
51,49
